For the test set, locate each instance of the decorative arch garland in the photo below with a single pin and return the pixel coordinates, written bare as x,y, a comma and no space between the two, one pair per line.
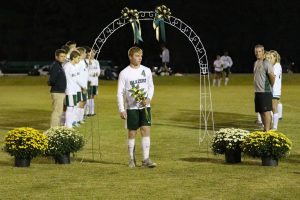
206,119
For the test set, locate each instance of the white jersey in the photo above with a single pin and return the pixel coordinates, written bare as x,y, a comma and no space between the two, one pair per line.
227,61
277,82
83,73
165,56
141,76
94,72
71,76
218,64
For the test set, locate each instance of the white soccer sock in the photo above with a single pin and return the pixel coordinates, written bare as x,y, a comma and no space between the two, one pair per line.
87,107
146,147
69,116
92,107
81,114
76,113
259,118
226,81
279,107
63,118
275,120
131,143
219,82
214,82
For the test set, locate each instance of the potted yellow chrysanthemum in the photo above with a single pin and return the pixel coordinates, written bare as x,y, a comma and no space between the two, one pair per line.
24,144
269,146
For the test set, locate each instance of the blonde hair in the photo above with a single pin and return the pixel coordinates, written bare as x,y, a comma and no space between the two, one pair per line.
134,50
81,50
267,53
276,55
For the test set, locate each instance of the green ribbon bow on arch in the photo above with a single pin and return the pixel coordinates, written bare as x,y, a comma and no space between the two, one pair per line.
132,16
161,13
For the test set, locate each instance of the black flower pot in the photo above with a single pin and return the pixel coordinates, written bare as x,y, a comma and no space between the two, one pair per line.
233,156
62,159
22,162
268,161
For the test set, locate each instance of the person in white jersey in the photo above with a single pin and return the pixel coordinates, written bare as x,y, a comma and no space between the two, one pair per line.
218,65
274,59
227,64
132,111
83,79
93,81
71,90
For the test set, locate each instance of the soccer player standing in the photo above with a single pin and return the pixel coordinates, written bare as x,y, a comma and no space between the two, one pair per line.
137,114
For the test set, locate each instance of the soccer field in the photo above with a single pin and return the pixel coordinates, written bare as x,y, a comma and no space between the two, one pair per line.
186,169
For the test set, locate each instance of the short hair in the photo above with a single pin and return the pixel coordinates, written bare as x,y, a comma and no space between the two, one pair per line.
74,54
66,48
81,50
134,50
267,53
59,51
70,42
259,46
88,49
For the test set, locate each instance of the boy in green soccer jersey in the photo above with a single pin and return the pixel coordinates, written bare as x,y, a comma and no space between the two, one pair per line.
136,111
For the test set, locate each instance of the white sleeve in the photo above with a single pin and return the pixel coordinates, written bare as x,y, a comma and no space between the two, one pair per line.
121,92
230,61
150,85
98,67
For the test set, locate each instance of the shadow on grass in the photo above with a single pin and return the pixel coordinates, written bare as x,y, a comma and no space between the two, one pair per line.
89,160
190,119
202,159
7,163
35,118
293,158
219,161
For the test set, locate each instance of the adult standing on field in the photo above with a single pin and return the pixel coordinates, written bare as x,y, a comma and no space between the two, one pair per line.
58,83
263,81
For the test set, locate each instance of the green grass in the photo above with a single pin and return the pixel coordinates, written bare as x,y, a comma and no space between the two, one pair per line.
186,170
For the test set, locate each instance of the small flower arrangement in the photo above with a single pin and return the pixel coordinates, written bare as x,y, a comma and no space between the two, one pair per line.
267,144
228,139
63,140
140,97
25,143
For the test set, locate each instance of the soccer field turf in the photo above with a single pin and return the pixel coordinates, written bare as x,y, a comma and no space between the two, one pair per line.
186,169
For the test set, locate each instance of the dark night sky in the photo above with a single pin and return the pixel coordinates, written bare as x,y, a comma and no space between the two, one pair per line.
32,30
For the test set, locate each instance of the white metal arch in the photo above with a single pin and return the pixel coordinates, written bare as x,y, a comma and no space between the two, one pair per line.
206,111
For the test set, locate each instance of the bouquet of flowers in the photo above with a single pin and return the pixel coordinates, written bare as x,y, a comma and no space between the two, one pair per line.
140,97
228,139
25,142
63,140
267,144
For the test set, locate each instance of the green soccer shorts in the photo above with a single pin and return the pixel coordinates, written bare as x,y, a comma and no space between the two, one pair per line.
138,117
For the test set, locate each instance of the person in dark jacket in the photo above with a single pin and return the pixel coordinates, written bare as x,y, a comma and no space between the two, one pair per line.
58,83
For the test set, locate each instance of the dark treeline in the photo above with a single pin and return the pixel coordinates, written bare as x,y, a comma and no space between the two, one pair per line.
32,30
